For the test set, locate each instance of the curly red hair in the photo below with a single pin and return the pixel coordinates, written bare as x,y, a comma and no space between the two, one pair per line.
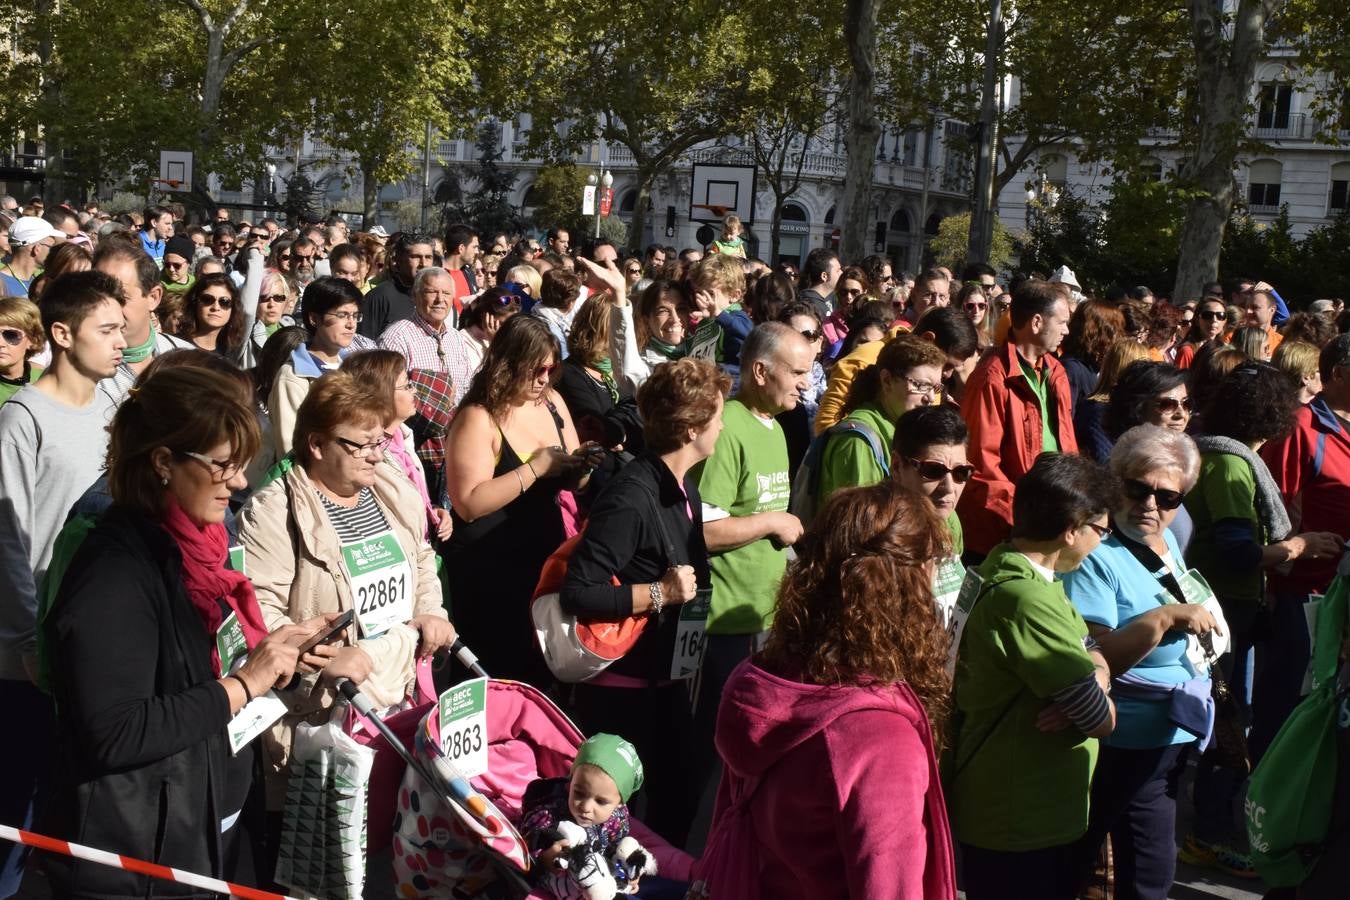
857,605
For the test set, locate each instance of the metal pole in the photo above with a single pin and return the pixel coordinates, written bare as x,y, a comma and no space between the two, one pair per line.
426,176
916,256
981,219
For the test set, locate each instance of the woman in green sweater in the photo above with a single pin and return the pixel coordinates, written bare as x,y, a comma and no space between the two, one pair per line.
907,375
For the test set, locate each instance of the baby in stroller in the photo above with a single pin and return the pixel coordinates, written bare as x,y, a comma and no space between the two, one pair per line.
577,827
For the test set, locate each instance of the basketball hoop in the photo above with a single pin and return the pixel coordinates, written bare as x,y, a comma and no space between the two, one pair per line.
715,208
166,184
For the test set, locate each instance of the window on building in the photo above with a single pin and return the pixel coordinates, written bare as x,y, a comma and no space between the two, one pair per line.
792,212
1056,168
911,148
1151,170
1272,105
900,222
1340,187
1263,184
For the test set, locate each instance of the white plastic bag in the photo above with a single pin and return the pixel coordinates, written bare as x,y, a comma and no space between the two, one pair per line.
323,826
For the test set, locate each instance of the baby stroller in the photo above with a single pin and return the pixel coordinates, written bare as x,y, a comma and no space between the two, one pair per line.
441,851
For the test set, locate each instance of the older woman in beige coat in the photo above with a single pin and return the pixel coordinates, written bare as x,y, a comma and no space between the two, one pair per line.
344,529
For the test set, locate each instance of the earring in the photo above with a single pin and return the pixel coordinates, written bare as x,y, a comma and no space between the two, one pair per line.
164,480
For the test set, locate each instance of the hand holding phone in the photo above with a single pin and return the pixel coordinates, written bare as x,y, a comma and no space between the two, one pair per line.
332,634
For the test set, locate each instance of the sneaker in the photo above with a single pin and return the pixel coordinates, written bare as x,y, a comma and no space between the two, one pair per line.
1195,852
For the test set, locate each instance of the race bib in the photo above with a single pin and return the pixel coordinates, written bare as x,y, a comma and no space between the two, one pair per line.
965,602
462,712
690,637
230,643
1197,591
947,581
381,581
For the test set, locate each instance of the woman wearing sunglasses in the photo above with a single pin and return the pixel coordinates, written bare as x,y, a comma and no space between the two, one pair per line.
928,455
1128,591
1211,318
213,317
974,301
511,450
907,374
21,338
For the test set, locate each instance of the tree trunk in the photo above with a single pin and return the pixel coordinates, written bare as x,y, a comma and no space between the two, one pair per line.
641,209
776,229
860,27
370,194
1225,70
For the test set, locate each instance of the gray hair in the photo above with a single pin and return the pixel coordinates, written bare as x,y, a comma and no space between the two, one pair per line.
765,343
424,274
1145,449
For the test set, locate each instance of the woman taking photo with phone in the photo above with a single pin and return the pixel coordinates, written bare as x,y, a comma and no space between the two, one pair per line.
508,456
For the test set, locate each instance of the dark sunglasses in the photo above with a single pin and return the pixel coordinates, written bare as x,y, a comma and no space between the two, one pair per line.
273,298
12,336
972,306
809,334
932,470
1171,405
1212,315
1138,492
207,301
545,371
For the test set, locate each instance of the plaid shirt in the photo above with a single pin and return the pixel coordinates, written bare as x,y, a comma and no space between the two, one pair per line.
423,348
430,424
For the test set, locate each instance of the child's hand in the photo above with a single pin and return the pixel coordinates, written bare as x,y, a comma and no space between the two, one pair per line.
549,857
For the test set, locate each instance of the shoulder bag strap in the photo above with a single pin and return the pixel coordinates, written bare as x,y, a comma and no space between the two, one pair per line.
37,426
557,423
1150,560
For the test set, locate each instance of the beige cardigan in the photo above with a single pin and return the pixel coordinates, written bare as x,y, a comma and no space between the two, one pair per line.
293,558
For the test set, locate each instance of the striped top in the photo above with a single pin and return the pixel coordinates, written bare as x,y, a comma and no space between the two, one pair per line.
361,522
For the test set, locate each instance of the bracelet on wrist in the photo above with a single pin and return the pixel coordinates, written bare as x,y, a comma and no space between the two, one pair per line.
521,480
654,593
248,695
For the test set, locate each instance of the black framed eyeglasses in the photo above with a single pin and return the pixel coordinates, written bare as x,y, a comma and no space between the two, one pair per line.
1137,491
1102,531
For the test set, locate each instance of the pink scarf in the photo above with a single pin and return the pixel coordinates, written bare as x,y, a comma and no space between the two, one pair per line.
204,550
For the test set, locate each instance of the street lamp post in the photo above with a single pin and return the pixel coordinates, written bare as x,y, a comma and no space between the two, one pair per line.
606,183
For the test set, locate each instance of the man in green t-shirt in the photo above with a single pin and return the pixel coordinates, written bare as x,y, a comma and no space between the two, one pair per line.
746,525
1031,693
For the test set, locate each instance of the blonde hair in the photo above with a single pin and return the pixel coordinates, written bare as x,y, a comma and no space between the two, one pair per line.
1296,358
1115,361
526,275
17,312
719,271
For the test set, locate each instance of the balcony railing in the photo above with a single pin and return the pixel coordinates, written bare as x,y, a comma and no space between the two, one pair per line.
1294,127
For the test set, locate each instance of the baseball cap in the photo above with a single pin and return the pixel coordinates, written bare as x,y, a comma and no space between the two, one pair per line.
31,229
379,232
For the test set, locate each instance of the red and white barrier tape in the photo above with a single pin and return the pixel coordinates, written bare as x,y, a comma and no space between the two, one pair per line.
140,867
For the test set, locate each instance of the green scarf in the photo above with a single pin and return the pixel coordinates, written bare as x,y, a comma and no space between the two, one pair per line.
669,351
173,288
141,352
272,329
605,366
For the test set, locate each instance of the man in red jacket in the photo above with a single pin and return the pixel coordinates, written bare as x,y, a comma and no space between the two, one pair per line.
1311,465
1017,406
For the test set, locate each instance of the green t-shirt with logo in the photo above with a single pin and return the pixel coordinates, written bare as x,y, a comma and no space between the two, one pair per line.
1009,785
958,535
848,460
747,474
1226,489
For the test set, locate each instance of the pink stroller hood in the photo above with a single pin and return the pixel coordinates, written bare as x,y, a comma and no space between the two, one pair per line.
529,738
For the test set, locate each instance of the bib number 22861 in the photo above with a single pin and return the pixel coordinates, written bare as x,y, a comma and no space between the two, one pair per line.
381,581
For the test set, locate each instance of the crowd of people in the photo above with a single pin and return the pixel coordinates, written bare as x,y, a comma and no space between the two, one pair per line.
940,579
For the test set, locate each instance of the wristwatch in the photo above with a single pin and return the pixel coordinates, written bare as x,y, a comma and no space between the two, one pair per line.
654,592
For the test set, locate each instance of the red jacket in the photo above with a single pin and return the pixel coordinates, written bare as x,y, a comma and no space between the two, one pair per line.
1311,465
1004,417
830,792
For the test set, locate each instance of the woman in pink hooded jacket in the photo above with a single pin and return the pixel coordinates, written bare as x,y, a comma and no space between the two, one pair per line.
831,785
